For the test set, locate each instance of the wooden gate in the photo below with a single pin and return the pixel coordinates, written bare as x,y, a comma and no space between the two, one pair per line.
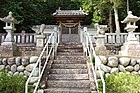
70,34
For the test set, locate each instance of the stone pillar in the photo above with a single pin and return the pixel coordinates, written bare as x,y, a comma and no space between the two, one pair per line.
131,47
100,42
9,46
40,41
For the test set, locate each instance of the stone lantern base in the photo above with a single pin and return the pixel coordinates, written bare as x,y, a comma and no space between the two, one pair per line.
100,48
8,49
130,49
40,41
102,51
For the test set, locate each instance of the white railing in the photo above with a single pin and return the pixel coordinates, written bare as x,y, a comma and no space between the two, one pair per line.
89,50
114,38
120,38
48,50
22,39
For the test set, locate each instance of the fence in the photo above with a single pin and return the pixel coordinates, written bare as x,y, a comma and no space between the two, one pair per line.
23,39
114,38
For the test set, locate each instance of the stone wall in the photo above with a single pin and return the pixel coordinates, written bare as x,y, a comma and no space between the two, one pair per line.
112,64
19,65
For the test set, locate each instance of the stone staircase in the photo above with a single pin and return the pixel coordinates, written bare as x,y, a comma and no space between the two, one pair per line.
69,71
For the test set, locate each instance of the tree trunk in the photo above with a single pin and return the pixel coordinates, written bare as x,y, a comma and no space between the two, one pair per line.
117,21
110,22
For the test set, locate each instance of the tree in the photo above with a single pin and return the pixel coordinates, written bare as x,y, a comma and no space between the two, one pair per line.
116,5
33,12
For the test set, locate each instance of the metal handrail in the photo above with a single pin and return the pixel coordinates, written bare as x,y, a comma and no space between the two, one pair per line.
53,40
90,51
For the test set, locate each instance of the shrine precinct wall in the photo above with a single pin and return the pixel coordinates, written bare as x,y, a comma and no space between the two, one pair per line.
21,66
109,65
112,64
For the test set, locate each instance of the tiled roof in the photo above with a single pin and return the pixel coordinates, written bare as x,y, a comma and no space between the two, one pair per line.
69,12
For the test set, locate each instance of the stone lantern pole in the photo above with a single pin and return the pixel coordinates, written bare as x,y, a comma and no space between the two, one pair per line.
131,46
9,42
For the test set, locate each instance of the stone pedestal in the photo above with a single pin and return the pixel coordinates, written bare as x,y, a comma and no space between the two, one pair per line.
40,41
100,48
9,47
132,50
131,47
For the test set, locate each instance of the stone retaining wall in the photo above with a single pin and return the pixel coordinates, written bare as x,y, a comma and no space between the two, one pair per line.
19,65
112,64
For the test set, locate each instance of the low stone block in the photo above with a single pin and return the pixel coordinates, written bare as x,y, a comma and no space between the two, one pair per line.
112,61
138,61
33,80
10,73
114,70
14,68
11,61
2,67
133,62
4,61
103,59
33,59
20,68
30,67
124,61
18,61
129,68
8,67
26,73
16,73
134,72
136,67
121,68
0,61
25,61
105,68
21,73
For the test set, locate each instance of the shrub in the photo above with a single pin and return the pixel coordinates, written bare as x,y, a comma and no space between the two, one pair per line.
122,83
11,84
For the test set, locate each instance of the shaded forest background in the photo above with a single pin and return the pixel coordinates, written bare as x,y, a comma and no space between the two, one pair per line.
36,12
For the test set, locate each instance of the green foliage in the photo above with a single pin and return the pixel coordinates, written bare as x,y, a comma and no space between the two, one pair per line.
34,12
11,84
93,60
122,83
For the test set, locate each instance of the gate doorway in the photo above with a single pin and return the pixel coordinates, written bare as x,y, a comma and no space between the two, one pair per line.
70,34
69,24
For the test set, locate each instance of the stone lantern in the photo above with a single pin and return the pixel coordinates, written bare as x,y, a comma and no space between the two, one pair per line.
131,46
131,20
9,42
10,22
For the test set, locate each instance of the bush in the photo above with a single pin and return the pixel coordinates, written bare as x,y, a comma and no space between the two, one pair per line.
11,84
122,83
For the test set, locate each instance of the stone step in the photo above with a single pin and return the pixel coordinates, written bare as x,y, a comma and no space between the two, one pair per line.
69,71
69,66
70,46
70,61
70,58
69,50
70,43
68,76
68,84
67,90
70,53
